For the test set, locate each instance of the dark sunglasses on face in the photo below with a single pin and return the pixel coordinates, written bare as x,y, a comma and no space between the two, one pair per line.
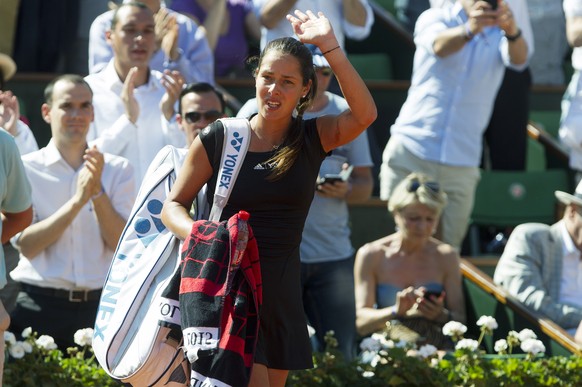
325,71
432,186
211,115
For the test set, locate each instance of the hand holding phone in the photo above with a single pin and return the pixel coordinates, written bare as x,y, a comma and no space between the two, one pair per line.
344,175
334,185
432,290
330,178
430,293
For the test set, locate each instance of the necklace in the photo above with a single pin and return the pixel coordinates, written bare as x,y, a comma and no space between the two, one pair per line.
274,147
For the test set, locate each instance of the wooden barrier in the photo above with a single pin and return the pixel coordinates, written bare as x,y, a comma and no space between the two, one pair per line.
550,143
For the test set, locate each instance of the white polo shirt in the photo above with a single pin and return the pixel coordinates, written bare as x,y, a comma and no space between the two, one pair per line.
114,133
79,259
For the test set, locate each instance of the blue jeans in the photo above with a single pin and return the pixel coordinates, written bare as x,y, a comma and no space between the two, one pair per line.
329,302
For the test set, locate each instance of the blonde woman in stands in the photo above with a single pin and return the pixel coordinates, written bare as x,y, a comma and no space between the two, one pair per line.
409,278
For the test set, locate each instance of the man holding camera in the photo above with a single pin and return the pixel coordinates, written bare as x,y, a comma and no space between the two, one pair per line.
462,51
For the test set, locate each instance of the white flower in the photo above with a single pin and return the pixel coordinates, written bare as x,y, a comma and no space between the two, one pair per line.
84,337
27,346
454,328
17,350
512,339
401,343
370,344
375,360
26,332
384,342
501,345
525,334
467,344
9,338
368,374
533,346
427,351
487,322
513,335
46,342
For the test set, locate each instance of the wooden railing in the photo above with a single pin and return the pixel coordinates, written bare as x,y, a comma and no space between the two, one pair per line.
553,336
551,145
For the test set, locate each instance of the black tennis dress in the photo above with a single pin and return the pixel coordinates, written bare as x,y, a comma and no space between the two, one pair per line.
278,210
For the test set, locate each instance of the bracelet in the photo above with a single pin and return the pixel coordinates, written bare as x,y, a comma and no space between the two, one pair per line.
468,34
513,38
328,51
394,312
98,195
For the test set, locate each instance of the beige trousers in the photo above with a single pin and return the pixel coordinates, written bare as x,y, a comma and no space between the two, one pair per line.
459,183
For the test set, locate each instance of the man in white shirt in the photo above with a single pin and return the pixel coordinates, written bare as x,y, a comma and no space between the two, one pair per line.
180,44
81,200
541,265
128,96
462,51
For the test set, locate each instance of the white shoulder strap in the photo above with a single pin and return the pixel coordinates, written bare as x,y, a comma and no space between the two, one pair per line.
237,137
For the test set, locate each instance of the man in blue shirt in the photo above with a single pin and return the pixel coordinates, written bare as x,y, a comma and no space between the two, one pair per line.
461,55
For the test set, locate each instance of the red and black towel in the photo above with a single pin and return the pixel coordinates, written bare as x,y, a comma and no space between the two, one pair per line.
219,303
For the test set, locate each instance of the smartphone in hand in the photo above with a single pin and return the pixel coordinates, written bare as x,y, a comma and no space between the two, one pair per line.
430,293
330,178
433,290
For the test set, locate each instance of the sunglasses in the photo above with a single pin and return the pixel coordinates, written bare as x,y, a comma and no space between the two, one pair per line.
325,71
211,115
432,186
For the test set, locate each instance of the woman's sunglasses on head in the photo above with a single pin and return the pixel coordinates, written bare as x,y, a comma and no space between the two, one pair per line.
432,186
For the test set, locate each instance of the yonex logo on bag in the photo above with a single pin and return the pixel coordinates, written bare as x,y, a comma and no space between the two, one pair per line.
230,160
143,226
237,142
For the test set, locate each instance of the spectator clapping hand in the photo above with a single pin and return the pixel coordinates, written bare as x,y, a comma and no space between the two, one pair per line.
9,112
173,81
166,30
